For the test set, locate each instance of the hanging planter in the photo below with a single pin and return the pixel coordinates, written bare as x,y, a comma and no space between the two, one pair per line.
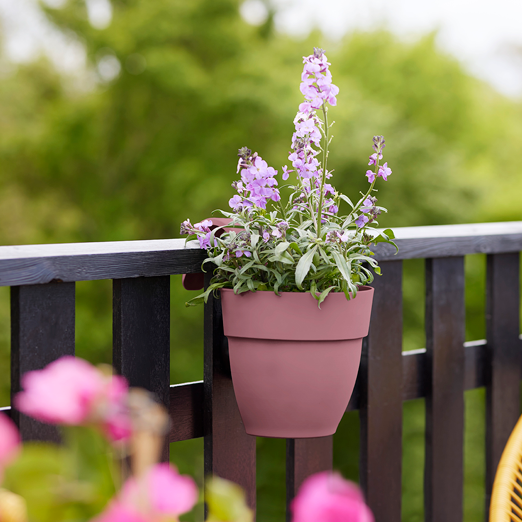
292,263
294,365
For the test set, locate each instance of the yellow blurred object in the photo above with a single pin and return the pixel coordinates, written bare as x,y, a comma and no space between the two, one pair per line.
12,507
506,498
150,425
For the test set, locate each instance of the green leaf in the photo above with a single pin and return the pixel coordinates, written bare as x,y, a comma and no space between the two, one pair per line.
247,266
295,247
281,247
342,265
324,293
347,199
303,267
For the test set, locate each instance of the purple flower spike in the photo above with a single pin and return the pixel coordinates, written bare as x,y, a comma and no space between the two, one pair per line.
384,171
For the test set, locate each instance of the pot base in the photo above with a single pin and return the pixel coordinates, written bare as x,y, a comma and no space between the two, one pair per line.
280,396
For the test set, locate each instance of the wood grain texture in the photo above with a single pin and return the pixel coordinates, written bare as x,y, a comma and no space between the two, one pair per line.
503,358
229,452
42,330
304,457
37,264
381,398
141,335
186,411
445,324
452,240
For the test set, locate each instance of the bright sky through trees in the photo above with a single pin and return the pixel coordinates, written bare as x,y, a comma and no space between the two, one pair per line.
484,35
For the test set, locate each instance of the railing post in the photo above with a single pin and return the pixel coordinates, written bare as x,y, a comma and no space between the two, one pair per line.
445,326
141,335
503,358
381,398
304,457
229,452
42,330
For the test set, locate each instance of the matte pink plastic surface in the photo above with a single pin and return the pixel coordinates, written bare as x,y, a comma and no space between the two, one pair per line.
294,365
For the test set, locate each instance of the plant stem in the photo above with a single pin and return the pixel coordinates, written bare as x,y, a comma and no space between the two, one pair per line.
323,177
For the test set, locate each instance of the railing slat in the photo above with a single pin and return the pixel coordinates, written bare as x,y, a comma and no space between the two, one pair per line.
141,335
186,411
445,326
503,356
229,452
42,330
381,398
304,457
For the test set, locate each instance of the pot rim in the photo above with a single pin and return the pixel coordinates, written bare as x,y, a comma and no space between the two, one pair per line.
296,316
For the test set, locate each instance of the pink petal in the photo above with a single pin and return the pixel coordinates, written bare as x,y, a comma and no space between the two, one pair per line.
61,393
117,512
171,493
327,497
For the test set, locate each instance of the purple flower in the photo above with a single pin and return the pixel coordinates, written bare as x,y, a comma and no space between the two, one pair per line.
204,226
368,205
286,173
361,221
384,171
373,158
333,209
283,226
277,233
328,189
371,176
204,241
236,203
266,236
186,227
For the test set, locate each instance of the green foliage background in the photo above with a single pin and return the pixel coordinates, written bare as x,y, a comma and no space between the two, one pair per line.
132,158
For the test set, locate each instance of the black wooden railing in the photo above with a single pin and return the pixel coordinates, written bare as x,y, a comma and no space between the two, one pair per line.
43,280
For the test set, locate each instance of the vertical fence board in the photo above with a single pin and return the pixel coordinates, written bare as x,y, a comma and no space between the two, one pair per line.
141,335
381,398
229,452
42,330
445,326
503,357
304,457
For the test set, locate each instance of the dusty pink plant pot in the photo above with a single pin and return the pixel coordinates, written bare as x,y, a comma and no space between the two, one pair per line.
294,365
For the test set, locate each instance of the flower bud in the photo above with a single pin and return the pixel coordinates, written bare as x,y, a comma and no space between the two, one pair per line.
244,153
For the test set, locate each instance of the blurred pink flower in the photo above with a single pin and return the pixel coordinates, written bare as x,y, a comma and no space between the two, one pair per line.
118,513
73,392
162,492
327,497
9,441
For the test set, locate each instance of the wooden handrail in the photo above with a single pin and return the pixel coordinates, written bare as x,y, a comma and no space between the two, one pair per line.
69,262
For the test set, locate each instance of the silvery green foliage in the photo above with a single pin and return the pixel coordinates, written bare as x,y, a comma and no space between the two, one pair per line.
303,245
